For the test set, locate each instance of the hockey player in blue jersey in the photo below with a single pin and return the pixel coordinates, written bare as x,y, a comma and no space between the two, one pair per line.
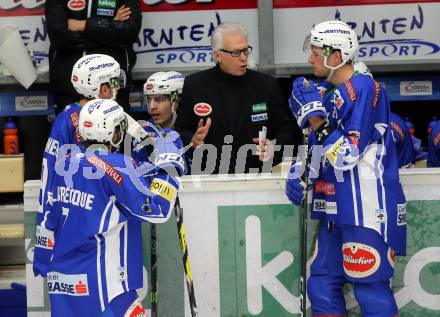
99,203
356,190
400,132
403,141
161,92
93,76
434,146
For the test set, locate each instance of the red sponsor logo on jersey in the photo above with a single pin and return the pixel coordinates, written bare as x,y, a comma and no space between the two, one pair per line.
398,129
350,89
149,86
74,119
436,139
324,188
202,109
76,5
81,288
136,310
354,136
88,124
49,243
360,260
376,93
106,167
391,257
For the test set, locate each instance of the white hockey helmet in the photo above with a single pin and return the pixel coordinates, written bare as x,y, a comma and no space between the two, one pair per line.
98,120
165,83
90,71
333,35
361,68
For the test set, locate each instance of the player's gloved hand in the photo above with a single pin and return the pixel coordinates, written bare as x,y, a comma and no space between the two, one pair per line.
168,152
294,186
305,101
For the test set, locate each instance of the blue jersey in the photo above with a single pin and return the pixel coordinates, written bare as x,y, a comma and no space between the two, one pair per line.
361,156
142,153
64,131
402,140
434,146
96,219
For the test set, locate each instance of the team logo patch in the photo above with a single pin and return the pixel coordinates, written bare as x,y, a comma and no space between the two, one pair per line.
44,238
360,260
107,168
163,189
63,284
351,92
259,117
202,109
401,214
337,99
76,5
324,188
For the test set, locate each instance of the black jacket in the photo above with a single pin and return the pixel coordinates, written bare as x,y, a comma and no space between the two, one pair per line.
103,35
260,96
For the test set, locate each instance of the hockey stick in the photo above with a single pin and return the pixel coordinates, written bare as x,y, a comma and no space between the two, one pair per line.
185,258
137,132
153,262
304,215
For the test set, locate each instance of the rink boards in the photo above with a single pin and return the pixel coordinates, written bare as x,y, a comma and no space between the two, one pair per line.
243,237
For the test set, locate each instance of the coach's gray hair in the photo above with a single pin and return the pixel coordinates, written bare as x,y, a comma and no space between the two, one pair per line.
221,29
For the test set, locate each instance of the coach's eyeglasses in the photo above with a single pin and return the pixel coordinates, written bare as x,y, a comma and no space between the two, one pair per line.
246,51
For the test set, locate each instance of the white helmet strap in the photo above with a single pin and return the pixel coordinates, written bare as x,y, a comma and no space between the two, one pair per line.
332,68
114,93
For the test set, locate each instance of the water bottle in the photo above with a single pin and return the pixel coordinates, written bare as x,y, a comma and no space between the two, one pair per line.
10,138
410,126
431,124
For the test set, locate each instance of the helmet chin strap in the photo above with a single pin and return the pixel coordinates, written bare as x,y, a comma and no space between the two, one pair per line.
332,68
117,144
114,93
173,115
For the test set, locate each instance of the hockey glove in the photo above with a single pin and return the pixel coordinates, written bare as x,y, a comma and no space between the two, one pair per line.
294,187
168,152
305,101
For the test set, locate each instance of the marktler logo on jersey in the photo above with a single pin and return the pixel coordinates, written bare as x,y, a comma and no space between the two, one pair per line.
416,88
73,285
